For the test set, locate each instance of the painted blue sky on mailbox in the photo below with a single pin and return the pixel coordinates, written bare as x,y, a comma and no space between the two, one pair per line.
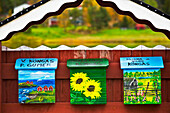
36,74
140,70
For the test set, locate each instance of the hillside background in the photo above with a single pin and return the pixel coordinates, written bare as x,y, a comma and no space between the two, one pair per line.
88,24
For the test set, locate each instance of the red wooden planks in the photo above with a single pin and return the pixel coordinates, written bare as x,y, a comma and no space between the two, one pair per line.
62,71
167,56
146,53
11,56
3,56
112,72
117,90
62,90
164,91
65,107
92,54
11,91
116,55
165,72
65,55
136,53
168,90
159,53
79,54
109,87
126,53
114,82
4,91
106,54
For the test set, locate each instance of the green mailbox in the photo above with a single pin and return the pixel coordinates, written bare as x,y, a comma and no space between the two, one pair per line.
88,81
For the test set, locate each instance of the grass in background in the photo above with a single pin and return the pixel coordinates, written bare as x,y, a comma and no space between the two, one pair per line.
54,36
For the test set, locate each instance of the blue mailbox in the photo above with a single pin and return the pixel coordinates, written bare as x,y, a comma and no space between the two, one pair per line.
142,79
36,80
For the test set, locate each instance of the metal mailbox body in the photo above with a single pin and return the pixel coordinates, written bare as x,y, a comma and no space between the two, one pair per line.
142,79
36,80
88,81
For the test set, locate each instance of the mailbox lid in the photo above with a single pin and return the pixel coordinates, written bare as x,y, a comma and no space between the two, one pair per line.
36,63
141,62
87,63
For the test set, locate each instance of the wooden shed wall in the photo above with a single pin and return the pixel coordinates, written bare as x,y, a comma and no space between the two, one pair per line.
114,75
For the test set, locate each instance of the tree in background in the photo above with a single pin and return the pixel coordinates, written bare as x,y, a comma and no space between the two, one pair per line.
76,16
10,5
33,1
99,18
166,7
124,23
0,7
152,3
63,19
85,5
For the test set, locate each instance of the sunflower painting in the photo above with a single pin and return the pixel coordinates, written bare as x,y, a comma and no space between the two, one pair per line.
78,81
92,89
87,84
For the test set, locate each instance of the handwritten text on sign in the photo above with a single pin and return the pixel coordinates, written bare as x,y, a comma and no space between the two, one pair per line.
141,62
36,63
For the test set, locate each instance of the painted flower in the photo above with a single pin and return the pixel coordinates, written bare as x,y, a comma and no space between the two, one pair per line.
92,89
78,81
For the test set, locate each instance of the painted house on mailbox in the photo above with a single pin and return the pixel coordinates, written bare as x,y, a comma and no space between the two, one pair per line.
36,80
142,79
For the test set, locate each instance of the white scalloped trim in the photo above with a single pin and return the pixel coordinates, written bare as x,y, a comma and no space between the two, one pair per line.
34,15
81,47
37,14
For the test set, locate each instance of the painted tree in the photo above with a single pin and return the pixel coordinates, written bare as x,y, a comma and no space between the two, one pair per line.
126,74
130,74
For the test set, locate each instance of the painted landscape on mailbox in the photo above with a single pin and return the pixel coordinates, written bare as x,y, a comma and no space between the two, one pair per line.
142,86
36,86
88,87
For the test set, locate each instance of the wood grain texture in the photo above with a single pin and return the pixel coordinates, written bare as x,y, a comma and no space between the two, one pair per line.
65,55
147,53
136,53
167,57
92,54
160,53
163,91
126,53
168,90
3,56
106,54
112,72
114,82
66,107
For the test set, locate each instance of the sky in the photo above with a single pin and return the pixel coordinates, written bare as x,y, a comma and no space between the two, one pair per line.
140,70
36,74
